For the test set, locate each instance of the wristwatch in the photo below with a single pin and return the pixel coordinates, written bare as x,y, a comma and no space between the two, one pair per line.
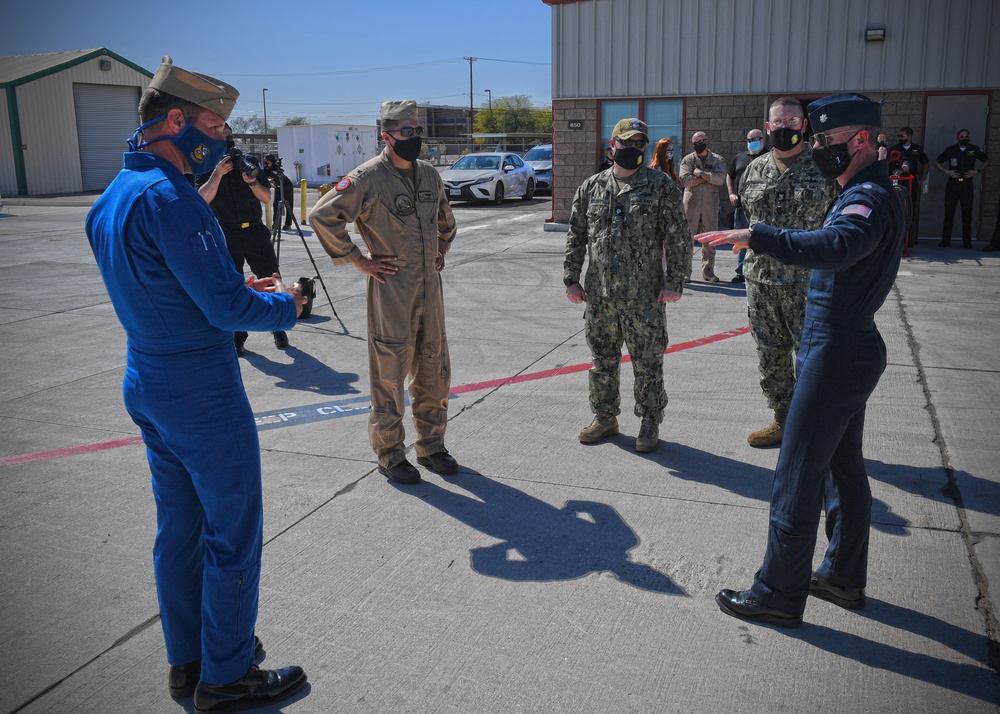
569,281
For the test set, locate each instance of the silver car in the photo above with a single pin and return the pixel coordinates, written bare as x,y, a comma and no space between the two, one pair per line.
540,159
489,176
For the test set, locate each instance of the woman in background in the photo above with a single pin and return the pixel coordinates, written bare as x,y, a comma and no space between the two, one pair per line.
663,158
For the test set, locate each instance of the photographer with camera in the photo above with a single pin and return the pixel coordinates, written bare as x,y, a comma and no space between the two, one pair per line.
284,189
235,190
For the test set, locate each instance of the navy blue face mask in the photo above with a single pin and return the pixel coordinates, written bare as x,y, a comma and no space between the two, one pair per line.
201,151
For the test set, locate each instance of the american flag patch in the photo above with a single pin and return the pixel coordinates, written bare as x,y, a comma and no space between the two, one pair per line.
856,209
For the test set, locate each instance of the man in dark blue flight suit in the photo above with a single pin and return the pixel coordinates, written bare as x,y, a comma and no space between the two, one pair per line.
170,278
854,257
958,163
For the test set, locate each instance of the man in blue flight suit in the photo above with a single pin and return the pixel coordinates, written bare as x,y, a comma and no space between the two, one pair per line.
164,261
854,257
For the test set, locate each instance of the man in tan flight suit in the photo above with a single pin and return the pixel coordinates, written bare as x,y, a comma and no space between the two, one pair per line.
398,205
701,173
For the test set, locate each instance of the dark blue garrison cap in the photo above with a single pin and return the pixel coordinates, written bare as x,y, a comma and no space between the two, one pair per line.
847,109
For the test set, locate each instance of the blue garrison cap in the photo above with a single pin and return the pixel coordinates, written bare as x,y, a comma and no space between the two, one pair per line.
847,109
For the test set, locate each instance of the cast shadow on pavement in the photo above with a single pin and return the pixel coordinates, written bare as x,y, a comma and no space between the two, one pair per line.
540,542
933,483
975,681
743,479
305,373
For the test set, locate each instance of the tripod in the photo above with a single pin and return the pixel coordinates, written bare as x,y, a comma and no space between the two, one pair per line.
276,221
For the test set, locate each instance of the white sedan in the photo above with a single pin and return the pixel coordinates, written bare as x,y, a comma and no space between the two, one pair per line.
491,176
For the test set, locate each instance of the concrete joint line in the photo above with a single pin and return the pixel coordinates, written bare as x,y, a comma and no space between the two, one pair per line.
984,603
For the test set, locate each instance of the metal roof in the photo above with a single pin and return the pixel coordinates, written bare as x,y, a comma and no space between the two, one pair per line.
20,69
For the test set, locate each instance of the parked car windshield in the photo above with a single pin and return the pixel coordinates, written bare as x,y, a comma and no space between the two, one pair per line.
477,163
539,154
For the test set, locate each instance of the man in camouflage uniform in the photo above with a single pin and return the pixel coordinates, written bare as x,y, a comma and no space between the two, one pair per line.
630,221
398,205
782,188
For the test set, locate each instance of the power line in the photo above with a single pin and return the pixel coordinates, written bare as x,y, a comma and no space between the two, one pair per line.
393,68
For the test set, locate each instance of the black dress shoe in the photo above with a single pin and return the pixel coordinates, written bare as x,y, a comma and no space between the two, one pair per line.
240,347
256,688
944,244
746,607
738,279
966,245
849,598
280,340
404,472
991,247
442,462
183,678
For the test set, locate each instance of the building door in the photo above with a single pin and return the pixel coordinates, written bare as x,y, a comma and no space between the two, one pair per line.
106,116
947,114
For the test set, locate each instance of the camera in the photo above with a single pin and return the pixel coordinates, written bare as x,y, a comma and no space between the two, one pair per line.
245,162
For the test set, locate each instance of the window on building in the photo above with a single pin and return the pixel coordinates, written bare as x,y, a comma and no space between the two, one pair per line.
664,117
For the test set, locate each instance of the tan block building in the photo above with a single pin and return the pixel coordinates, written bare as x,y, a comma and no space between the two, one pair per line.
684,66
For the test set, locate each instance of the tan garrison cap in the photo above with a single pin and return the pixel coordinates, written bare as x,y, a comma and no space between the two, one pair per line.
399,111
200,89
627,128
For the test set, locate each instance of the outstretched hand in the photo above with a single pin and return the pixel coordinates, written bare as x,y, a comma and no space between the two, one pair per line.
739,238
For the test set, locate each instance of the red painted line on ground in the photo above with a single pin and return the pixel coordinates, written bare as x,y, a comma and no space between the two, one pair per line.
68,451
570,369
462,389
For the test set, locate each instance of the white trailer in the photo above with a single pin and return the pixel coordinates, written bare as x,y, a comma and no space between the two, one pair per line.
324,153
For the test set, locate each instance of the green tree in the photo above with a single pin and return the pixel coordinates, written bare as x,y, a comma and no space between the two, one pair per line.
512,115
296,121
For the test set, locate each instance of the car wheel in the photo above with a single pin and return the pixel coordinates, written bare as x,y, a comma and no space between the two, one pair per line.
530,193
498,194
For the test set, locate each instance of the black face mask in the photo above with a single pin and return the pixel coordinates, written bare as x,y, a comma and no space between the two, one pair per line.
409,149
786,138
963,142
700,146
832,161
628,157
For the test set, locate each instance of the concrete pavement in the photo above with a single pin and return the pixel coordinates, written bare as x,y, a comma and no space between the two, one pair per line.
547,576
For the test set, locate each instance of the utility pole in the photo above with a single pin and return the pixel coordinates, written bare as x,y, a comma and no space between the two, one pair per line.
264,93
489,95
471,108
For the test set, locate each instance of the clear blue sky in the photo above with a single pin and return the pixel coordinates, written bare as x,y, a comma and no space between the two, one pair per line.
327,61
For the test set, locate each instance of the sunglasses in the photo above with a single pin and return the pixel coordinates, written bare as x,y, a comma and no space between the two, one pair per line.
637,143
407,131
792,123
823,138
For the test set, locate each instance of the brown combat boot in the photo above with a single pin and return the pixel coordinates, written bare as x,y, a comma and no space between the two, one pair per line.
771,434
649,436
602,426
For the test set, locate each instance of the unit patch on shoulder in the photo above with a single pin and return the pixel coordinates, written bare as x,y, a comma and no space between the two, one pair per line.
857,209
344,184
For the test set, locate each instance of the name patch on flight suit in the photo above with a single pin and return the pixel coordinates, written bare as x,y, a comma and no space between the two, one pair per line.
425,196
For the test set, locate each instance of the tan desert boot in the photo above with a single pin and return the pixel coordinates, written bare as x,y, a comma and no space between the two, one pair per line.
771,434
